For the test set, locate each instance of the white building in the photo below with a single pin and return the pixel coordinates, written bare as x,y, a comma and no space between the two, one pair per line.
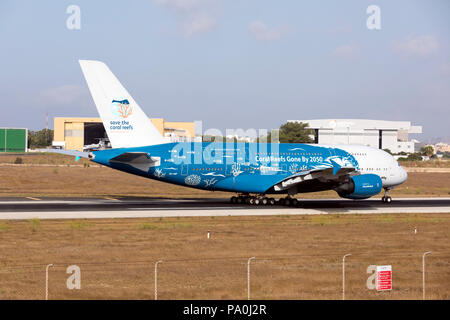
441,147
392,135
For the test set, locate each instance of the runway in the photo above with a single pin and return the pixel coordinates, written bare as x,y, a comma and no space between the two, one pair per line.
108,207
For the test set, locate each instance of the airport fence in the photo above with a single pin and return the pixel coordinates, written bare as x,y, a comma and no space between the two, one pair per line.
272,277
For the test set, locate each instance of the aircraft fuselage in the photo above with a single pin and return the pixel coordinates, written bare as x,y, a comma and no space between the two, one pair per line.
256,168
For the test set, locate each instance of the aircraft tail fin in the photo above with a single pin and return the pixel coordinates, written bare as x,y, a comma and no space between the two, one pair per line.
124,121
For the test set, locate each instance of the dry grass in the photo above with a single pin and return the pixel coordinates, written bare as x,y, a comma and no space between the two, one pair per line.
41,158
60,159
297,257
87,182
103,181
424,184
55,178
440,163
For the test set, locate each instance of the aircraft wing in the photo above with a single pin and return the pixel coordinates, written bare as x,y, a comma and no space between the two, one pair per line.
139,160
319,176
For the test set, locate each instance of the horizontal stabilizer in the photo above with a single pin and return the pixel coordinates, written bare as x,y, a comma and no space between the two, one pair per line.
73,153
139,160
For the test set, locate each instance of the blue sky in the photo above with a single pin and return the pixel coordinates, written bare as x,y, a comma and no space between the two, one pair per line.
233,64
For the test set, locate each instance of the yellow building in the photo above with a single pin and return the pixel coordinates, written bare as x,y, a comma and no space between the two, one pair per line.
75,133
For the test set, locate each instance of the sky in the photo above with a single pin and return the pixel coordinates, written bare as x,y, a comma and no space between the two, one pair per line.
231,64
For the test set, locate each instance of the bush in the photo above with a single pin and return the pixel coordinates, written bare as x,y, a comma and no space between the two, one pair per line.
412,157
4,226
18,160
35,224
77,225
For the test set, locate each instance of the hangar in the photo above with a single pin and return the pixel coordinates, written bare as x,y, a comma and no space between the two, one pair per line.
381,134
81,134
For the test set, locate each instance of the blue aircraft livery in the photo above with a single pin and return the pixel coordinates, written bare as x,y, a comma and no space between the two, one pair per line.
250,170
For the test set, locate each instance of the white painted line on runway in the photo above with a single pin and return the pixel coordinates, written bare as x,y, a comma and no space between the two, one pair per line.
111,198
207,213
41,202
375,199
35,199
153,200
190,208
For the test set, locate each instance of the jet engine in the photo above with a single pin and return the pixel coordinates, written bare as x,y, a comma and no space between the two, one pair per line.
360,187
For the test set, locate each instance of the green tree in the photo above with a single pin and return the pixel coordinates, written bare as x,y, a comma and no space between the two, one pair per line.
296,132
268,138
290,132
427,151
414,157
40,139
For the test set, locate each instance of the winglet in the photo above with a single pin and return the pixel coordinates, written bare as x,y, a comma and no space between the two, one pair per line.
336,167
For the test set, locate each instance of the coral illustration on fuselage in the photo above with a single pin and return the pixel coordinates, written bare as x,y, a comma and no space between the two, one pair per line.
192,180
210,182
236,169
159,173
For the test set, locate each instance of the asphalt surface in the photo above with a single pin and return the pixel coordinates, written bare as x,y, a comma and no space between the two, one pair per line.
120,203
108,207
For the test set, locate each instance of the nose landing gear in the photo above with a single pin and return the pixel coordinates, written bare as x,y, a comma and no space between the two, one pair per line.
386,198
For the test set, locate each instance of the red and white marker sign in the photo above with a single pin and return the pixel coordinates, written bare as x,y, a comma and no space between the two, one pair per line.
384,278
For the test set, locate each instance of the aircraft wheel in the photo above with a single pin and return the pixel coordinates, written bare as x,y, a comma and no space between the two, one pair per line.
271,201
281,202
294,202
233,199
287,202
251,200
239,200
386,198
257,201
265,201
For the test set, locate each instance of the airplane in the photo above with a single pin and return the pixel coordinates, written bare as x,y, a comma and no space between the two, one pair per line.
253,171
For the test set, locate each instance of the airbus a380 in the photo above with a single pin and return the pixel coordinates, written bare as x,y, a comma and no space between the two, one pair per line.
251,170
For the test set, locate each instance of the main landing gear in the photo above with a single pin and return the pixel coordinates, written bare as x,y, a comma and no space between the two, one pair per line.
288,201
263,200
386,198
253,200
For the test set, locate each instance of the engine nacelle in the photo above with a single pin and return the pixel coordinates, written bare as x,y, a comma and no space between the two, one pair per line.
360,187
